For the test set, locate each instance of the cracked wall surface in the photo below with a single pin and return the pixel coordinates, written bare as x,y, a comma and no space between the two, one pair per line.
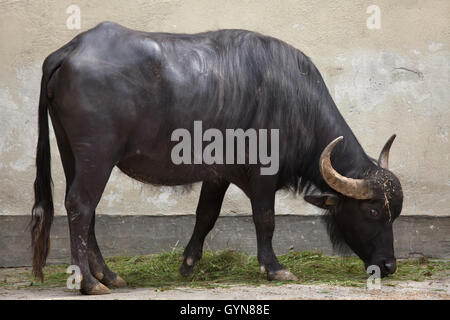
395,79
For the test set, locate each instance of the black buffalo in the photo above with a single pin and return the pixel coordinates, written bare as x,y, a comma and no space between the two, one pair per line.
115,95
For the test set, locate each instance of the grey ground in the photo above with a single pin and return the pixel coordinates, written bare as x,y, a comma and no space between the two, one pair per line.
410,290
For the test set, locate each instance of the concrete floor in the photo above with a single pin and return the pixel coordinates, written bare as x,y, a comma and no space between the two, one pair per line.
408,290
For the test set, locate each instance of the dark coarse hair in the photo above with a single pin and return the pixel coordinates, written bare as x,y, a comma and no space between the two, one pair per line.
257,81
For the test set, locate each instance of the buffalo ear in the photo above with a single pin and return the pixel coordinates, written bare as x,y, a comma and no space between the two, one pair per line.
324,200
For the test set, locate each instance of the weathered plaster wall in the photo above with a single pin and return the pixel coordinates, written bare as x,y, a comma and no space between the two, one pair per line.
395,79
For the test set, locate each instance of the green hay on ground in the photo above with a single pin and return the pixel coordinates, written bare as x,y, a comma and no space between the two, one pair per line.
225,268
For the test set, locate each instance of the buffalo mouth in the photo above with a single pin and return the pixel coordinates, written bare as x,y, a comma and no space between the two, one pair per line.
386,267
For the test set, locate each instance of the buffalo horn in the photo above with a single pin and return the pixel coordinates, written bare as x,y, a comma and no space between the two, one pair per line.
383,160
354,188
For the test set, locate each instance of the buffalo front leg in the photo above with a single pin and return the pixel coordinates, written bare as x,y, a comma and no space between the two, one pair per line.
208,210
263,203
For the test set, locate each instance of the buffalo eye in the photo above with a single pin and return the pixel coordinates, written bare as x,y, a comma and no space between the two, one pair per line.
374,213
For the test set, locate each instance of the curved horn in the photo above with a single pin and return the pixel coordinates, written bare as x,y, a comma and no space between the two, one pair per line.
354,188
383,159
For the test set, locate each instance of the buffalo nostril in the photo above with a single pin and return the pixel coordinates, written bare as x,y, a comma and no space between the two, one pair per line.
391,266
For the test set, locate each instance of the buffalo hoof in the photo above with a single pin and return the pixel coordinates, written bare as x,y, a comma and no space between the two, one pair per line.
99,288
118,282
281,275
186,270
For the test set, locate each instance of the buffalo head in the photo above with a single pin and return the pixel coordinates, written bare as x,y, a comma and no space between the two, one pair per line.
362,210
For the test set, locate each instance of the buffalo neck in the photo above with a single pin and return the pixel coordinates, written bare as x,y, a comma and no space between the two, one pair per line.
348,157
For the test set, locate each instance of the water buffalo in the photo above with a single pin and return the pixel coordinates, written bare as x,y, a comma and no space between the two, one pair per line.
116,95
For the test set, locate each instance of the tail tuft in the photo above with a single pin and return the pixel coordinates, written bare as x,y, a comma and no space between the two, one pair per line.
40,238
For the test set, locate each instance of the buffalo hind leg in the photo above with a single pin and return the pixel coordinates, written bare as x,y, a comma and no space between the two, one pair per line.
208,210
263,206
82,198
98,265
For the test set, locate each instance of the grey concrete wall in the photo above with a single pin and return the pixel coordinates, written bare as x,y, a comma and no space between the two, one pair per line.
389,80
415,236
